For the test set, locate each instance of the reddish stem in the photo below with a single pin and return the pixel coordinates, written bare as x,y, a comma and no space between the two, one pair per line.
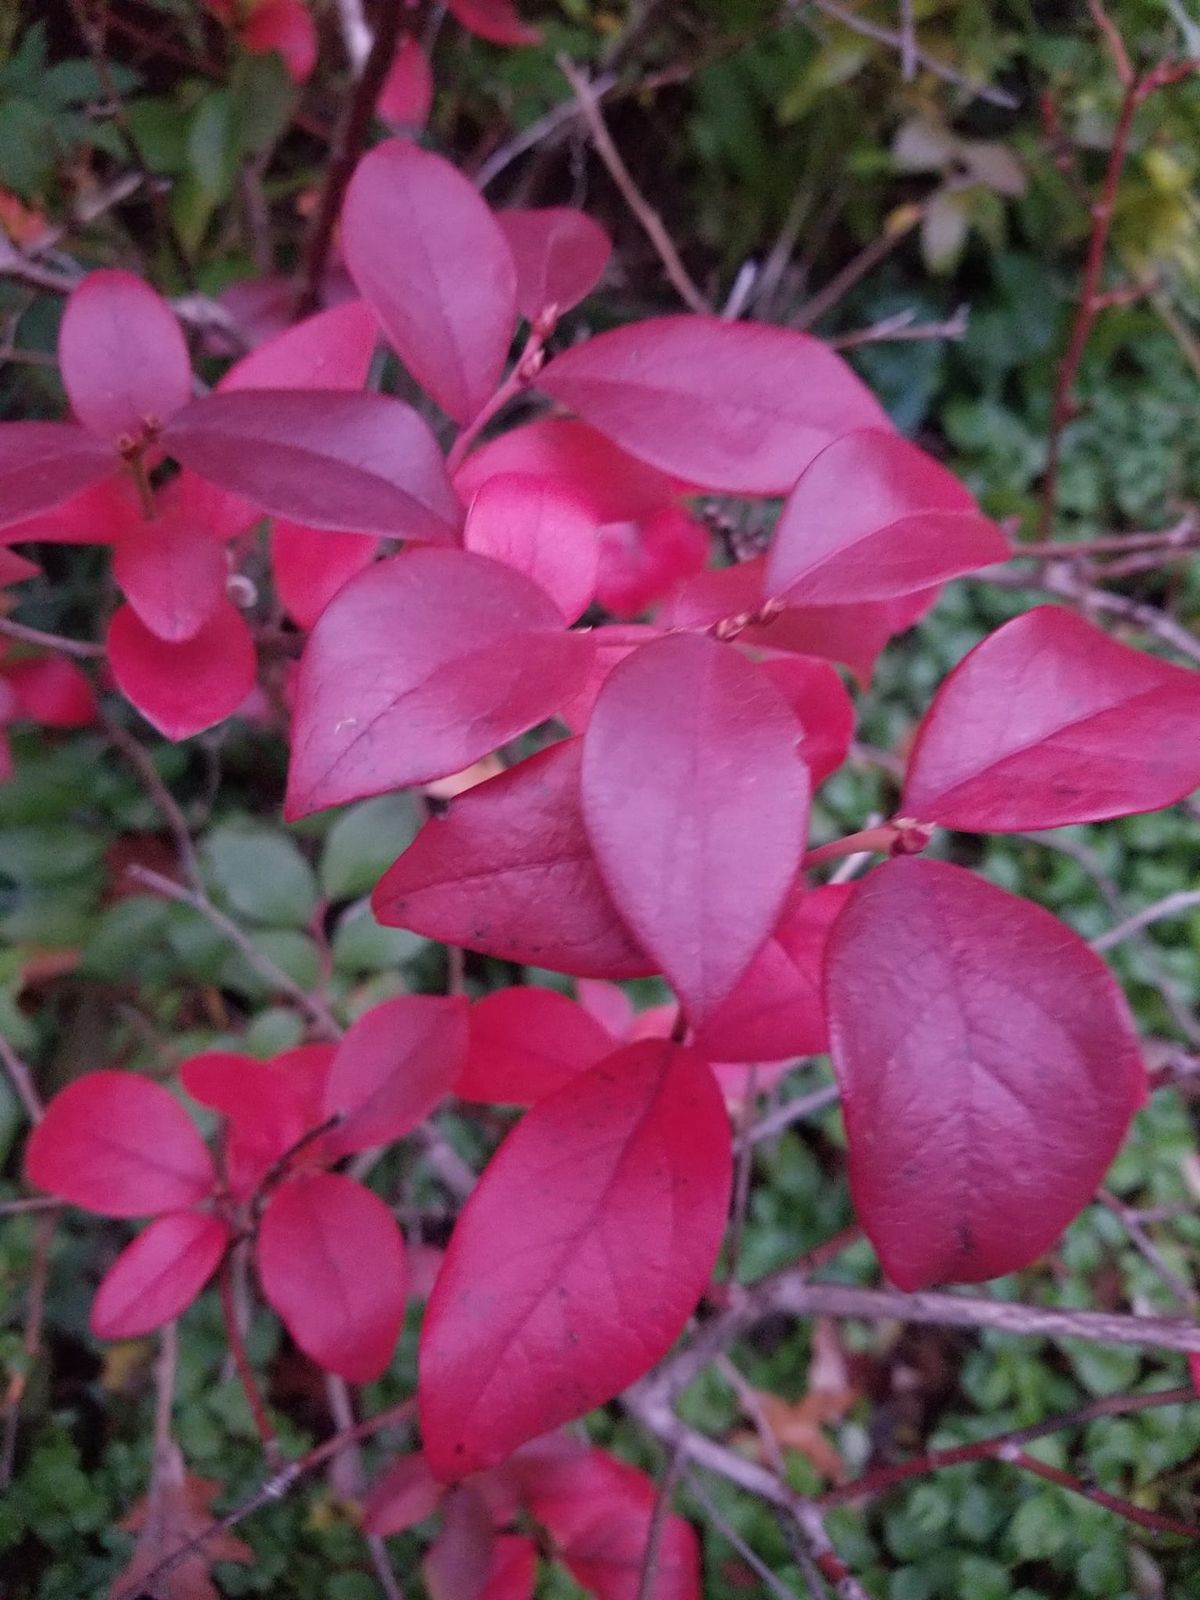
525,370
902,836
241,1361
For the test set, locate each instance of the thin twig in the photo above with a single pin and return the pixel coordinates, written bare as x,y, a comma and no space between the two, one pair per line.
140,759
648,1578
867,259
901,327
1062,581
787,1115
734,1539
21,1079
245,1371
49,641
1169,906
1180,1290
31,1339
354,1479
164,1384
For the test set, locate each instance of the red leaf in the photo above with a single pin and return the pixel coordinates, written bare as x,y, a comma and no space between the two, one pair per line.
406,1494
615,486
286,27
119,1145
509,871
539,528
15,568
172,572
44,463
513,1573
269,1105
183,688
355,463
494,20
1050,722
428,258
641,561
907,524
329,350
525,1043
394,1065
542,1309
123,357
176,1514
734,406
696,804
818,697
331,1264
458,1562
613,644
406,98
560,256
158,1276
419,667
54,692
777,1010
310,566
988,1065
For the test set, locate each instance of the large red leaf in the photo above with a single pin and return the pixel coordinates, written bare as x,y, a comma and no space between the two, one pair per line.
988,1065
420,666
406,98
330,350
119,1145
159,1274
406,1494
122,355
44,463
270,1106
185,687
287,27
578,1257
777,1010
509,871
310,566
331,1263
53,691
355,463
733,406
560,255
873,517
394,1065
525,1043
172,571
541,528
696,803
494,20
1050,722
428,258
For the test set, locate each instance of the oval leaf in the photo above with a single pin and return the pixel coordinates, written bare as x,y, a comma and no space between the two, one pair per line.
733,406
406,1494
1050,722
119,1145
330,350
988,1066
494,20
427,257
172,571
310,566
560,256
331,1264
509,871
159,1274
123,357
818,697
406,98
525,1043
542,1310
44,463
54,692
420,666
696,803
540,528
183,688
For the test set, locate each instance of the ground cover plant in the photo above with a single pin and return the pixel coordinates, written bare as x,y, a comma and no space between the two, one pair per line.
529,779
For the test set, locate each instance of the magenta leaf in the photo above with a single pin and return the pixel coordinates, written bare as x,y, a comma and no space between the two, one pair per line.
428,258
509,871
354,463
185,687
420,666
638,1148
989,1070
525,1043
1050,722
52,691
310,566
123,357
513,1573
285,26
331,1264
119,1145
406,98
733,406
158,1276
330,350
172,571
826,712
44,463
873,517
406,1494
457,1563
560,256
696,803
494,20
541,528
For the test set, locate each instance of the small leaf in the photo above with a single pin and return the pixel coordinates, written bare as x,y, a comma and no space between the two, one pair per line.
406,1494
407,94
287,27
158,1276
122,355
310,566
363,843
261,875
172,571
560,256
525,1043
457,1563
183,688
44,463
329,350
494,20
537,527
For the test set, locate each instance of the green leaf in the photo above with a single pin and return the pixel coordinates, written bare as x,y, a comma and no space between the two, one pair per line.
213,153
363,843
161,130
273,1030
294,953
52,854
260,874
1039,1529
263,97
361,945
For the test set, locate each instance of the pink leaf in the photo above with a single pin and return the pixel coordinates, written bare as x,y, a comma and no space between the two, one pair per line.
494,20
988,1065
53,692
406,1494
407,94
158,1276
427,256
513,1572
542,1309
613,645
100,514
15,568
420,666
394,1065
1050,722
123,357
777,1010
560,256
354,463
285,26
696,804
270,1107
641,561
172,571
905,525
310,566
509,871
818,697
329,350
331,1264
43,464
540,528
458,1562
525,1043
119,1145
733,406
183,688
